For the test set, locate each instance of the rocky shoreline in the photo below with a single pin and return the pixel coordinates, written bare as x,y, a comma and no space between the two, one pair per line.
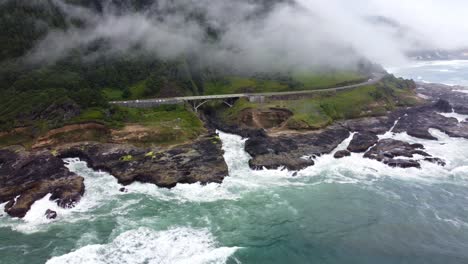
29,176
26,177
296,152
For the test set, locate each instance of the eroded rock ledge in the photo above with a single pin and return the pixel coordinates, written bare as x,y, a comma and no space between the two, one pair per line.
292,151
27,177
295,151
201,161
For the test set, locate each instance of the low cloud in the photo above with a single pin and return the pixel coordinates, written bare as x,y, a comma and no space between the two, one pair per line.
266,35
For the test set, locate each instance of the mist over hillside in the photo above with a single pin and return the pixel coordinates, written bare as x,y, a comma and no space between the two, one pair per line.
87,52
253,34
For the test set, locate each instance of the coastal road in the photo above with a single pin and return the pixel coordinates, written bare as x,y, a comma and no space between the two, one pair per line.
377,77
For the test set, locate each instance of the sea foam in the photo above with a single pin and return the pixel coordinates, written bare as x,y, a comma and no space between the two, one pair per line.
144,245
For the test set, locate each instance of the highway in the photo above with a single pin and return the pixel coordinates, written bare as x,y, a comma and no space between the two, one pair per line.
176,100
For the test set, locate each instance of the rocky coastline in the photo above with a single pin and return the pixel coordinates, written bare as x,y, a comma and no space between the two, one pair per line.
27,176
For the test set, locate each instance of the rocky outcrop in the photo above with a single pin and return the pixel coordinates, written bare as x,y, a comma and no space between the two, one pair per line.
295,151
201,161
362,141
375,125
341,154
27,177
397,153
417,122
50,214
264,118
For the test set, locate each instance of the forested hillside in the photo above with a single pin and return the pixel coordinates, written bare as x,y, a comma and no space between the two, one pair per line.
41,88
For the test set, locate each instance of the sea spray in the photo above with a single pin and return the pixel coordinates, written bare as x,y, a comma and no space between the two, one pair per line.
270,214
144,245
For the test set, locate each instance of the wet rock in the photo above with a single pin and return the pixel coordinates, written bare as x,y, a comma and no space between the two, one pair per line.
443,106
200,161
50,214
375,125
396,153
26,177
341,154
437,161
402,163
294,151
362,141
123,189
461,109
419,120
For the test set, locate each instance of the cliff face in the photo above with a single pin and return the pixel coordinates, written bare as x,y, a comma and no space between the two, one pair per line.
27,177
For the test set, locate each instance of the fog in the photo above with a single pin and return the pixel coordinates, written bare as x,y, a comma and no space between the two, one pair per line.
285,35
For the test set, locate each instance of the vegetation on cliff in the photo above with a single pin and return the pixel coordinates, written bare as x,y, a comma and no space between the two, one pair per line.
321,110
38,99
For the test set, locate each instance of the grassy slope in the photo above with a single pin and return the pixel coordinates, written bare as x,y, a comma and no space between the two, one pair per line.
298,81
317,81
321,110
165,125
173,124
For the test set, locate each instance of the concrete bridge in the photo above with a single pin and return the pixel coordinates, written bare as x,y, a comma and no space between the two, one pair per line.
228,99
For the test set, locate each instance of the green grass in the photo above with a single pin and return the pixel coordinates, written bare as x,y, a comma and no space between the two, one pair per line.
171,124
91,114
240,85
18,138
326,80
138,90
297,81
112,94
321,110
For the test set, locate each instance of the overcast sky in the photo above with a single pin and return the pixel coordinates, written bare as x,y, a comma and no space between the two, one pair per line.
307,33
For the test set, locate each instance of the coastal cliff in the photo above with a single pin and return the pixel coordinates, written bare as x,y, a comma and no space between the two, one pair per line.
130,155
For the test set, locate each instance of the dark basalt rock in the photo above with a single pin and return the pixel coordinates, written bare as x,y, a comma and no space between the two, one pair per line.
27,177
375,125
362,141
443,106
437,161
341,154
200,161
402,163
290,151
388,151
50,214
418,121
123,189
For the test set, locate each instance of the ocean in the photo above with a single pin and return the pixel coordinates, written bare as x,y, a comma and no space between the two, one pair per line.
352,210
452,72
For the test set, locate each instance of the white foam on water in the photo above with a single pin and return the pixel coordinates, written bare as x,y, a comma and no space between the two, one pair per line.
143,245
2,210
356,169
99,189
461,91
241,178
184,192
460,117
451,73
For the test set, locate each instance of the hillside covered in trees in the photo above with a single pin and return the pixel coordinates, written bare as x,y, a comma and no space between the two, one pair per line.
56,70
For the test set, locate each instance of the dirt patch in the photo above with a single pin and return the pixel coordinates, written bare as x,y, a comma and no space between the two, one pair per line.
264,118
132,133
72,133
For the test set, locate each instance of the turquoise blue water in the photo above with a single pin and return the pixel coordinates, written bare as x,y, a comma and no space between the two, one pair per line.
446,72
351,210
